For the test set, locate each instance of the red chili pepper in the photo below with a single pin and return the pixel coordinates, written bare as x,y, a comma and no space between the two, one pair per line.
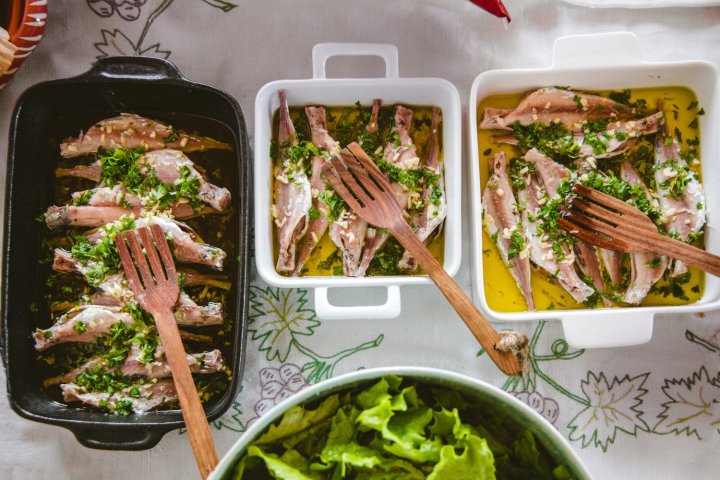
495,7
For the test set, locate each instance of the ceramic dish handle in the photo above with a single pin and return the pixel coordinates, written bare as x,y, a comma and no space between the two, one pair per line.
325,311
596,50
105,438
133,68
608,329
322,52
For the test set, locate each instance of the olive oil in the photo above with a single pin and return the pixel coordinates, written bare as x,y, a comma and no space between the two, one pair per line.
501,291
344,125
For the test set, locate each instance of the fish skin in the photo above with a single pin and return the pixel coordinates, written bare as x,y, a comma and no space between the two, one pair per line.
133,365
589,262
133,131
500,213
96,216
614,147
680,215
348,234
152,396
318,226
432,217
166,163
612,263
541,252
402,155
642,276
184,247
550,172
552,175
547,105
97,321
362,253
115,292
293,196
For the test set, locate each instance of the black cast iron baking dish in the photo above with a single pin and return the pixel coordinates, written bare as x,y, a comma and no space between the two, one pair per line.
45,114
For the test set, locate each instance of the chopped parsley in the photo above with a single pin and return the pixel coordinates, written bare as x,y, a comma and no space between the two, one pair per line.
102,257
336,205
517,242
128,168
83,198
313,213
551,139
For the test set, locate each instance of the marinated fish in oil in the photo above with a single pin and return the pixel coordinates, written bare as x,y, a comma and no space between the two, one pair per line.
136,365
355,236
541,251
552,175
502,222
168,165
400,152
551,105
293,197
114,292
646,269
133,131
434,201
318,214
616,139
681,196
142,398
96,216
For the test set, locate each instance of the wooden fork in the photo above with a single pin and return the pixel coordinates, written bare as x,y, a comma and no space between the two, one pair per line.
612,224
354,176
157,293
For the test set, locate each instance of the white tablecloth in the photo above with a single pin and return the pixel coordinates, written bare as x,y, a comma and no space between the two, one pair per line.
651,411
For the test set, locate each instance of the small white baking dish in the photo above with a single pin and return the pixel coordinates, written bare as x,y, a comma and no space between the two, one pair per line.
343,91
601,62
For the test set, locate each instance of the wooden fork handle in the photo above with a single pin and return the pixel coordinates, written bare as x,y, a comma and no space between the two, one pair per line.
694,256
475,321
198,430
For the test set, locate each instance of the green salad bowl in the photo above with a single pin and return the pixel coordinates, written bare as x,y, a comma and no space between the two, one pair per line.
499,403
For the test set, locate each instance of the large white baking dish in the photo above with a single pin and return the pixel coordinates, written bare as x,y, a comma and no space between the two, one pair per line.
324,91
598,62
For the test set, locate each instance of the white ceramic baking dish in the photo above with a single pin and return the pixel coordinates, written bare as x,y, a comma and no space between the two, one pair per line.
600,62
324,91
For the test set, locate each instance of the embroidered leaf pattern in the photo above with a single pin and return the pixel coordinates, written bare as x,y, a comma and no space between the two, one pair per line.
231,420
154,51
694,406
115,43
277,316
611,407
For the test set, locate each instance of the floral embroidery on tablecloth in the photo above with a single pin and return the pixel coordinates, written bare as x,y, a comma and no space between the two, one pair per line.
116,42
280,322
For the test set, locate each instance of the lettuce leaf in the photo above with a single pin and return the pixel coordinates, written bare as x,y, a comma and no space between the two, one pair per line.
298,419
278,467
476,462
395,429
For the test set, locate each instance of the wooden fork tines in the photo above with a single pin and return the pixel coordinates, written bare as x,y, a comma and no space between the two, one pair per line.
610,223
356,178
156,289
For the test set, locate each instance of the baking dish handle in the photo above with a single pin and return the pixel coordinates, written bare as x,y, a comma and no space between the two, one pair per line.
608,329
596,50
132,68
322,52
325,311
126,438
